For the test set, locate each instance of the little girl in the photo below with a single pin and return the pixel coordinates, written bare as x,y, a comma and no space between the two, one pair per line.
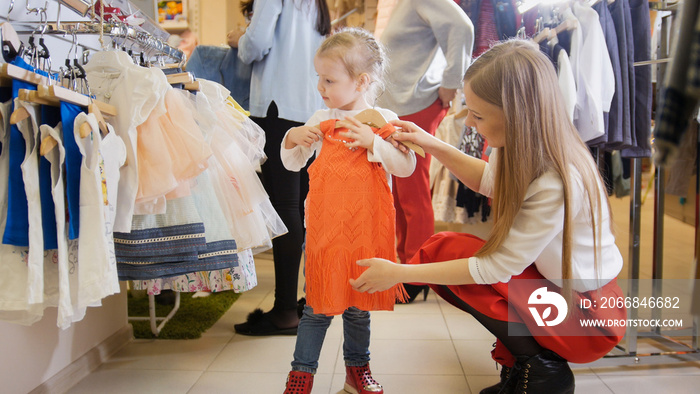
349,209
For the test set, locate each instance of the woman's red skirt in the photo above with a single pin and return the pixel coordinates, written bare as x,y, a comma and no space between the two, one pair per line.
509,302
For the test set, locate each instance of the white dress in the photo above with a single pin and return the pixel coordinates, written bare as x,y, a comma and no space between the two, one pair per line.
252,219
30,175
68,310
114,153
135,91
592,70
95,281
14,273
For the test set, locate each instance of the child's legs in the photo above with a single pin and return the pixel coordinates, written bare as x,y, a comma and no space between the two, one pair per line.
310,335
356,334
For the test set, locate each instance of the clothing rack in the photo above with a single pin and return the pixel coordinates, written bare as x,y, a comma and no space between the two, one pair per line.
120,34
117,32
155,327
632,333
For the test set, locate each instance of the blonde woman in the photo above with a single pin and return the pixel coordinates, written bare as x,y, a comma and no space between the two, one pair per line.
552,234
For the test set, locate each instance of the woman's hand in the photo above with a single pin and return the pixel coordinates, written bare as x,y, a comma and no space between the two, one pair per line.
302,135
359,135
234,35
381,275
408,131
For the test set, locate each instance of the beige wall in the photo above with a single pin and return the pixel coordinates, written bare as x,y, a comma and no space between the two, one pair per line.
218,17
31,356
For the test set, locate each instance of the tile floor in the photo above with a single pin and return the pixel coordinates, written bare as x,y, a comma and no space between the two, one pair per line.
423,347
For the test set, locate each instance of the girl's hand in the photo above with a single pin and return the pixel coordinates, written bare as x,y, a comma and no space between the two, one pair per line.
359,135
302,135
381,275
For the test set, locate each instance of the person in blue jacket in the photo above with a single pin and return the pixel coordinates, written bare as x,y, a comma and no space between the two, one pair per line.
280,43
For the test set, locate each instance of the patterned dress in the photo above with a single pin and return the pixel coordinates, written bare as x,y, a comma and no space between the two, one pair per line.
349,216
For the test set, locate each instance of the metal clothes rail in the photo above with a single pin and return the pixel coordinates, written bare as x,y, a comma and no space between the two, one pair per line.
632,334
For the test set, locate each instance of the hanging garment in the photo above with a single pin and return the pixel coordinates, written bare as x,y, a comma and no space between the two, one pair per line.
171,149
221,65
612,139
73,160
95,281
49,116
220,249
14,303
349,216
450,203
30,175
567,84
114,153
494,20
641,31
470,203
239,279
565,74
682,168
68,310
595,81
161,245
620,13
135,92
17,227
252,220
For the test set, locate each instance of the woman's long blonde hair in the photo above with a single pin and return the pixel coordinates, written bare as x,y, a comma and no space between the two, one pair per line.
539,137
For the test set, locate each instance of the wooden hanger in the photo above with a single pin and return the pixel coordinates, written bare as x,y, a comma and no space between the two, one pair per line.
10,38
58,93
374,118
180,78
192,86
85,128
568,24
32,96
53,95
19,115
47,145
10,72
542,35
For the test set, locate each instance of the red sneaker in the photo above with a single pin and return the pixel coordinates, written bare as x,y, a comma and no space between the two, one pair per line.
299,383
359,380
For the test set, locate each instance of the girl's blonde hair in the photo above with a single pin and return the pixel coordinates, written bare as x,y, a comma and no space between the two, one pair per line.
540,137
361,53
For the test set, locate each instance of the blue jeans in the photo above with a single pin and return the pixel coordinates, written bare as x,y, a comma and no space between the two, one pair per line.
312,331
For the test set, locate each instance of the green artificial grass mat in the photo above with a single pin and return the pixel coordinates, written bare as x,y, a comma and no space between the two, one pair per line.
194,317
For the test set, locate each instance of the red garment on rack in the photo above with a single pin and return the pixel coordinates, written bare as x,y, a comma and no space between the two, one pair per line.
486,34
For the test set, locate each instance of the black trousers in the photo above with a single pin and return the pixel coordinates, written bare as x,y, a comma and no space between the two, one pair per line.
287,191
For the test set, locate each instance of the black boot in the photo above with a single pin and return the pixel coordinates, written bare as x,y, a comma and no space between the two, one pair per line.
509,377
413,291
544,373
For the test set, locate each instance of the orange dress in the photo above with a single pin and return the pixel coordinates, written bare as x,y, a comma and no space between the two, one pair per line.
349,216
